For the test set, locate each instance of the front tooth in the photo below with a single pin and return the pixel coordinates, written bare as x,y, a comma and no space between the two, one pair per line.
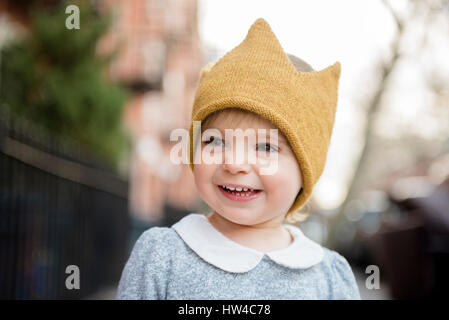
231,188
245,189
238,189
237,193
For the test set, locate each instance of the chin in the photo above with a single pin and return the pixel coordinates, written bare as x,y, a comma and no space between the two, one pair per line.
244,217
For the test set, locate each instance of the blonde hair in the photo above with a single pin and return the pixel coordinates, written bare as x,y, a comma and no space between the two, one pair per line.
236,115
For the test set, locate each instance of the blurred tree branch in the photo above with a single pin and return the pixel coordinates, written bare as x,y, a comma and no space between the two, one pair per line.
428,11
385,69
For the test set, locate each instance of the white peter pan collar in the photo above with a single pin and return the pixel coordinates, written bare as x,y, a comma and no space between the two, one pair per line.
212,246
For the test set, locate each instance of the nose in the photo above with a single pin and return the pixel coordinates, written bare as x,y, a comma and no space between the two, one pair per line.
233,164
234,168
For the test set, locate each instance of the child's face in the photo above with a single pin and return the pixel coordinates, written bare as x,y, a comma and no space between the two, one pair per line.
276,192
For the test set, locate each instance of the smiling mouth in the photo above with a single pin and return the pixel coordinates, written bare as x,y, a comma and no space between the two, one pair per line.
240,192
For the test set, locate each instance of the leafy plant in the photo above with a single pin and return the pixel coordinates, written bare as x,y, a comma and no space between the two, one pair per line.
54,78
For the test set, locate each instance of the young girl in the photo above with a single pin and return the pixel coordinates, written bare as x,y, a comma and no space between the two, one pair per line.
242,250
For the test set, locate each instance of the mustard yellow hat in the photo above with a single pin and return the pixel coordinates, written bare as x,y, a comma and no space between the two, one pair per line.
258,76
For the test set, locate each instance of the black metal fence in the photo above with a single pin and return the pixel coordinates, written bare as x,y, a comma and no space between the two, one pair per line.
58,207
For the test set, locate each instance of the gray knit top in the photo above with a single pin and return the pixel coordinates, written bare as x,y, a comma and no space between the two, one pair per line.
192,260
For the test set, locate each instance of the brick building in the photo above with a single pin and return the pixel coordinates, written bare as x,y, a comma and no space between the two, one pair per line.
159,58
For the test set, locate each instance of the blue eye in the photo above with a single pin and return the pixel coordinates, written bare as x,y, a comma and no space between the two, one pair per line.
267,147
214,141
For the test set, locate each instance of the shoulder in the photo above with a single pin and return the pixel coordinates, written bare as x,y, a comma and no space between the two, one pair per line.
157,241
158,235
145,273
342,277
334,259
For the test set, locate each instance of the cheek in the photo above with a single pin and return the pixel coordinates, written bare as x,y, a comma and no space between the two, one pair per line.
285,184
202,174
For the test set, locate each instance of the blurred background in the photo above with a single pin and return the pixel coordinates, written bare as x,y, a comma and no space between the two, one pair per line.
86,115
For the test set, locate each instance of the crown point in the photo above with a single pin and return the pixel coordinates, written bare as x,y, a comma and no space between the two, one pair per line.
336,69
260,23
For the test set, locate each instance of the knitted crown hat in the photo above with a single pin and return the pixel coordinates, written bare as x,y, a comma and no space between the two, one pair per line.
258,76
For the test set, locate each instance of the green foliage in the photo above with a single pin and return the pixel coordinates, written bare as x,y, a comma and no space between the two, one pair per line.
53,77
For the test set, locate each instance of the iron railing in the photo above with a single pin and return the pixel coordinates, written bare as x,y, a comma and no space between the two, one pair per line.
58,207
